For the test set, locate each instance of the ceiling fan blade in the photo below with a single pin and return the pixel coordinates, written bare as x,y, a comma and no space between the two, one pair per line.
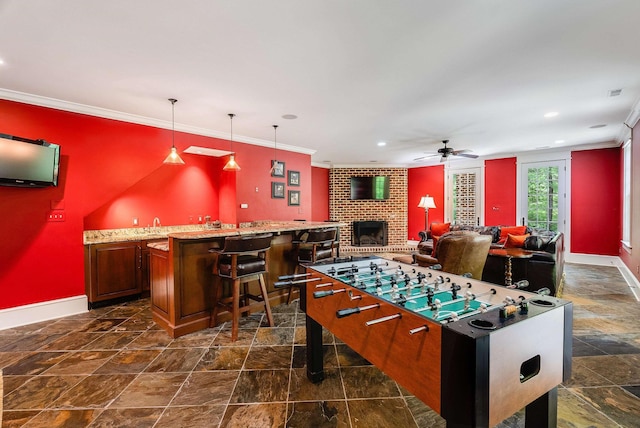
443,158
466,155
457,152
426,156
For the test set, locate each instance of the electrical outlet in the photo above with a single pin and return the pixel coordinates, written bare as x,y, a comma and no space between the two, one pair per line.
56,216
135,221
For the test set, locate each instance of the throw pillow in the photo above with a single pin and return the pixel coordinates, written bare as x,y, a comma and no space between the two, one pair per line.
439,229
535,243
514,230
515,241
435,243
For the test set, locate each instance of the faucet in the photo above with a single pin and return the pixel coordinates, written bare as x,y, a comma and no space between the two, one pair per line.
156,223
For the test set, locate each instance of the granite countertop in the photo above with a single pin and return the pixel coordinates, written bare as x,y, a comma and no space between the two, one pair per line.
256,228
198,231
103,236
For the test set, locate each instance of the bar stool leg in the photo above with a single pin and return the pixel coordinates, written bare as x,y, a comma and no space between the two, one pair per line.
235,310
217,295
265,297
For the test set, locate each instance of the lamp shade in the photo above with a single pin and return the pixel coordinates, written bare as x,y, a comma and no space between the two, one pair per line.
174,158
232,165
427,202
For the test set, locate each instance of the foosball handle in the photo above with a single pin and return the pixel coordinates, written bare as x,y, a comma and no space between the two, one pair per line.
519,285
544,291
436,267
341,313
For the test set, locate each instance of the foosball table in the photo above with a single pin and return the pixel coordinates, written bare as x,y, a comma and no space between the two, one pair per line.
474,352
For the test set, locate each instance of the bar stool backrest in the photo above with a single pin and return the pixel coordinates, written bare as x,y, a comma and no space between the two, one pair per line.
247,244
322,235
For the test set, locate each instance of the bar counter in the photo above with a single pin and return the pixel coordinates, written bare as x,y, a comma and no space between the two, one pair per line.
181,278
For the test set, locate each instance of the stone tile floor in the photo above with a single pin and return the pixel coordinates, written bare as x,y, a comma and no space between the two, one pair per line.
113,367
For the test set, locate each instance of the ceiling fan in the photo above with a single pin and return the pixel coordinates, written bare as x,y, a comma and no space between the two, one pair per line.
445,152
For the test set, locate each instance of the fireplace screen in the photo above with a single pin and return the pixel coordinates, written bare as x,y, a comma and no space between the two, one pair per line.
369,233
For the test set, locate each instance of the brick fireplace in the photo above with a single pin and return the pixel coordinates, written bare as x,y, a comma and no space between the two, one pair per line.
393,211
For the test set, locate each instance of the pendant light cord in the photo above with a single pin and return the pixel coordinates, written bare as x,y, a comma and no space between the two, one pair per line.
173,121
231,115
275,143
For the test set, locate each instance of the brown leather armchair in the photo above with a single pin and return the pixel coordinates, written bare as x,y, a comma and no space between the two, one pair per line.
459,253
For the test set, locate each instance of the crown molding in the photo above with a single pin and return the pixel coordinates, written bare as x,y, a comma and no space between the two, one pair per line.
72,107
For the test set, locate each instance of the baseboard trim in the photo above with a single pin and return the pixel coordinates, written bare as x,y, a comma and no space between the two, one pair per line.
592,259
44,311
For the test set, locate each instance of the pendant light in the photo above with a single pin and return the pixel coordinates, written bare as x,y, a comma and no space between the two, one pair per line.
174,157
232,165
275,165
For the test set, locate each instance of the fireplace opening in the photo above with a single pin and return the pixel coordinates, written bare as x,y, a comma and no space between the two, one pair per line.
369,233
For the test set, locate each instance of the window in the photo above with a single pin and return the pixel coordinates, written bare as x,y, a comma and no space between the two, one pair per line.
626,200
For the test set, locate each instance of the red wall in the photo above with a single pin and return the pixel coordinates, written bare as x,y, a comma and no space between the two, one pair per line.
112,171
428,180
596,202
500,192
320,185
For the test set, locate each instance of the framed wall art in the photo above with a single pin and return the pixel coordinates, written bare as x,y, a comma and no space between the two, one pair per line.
294,178
294,197
277,168
277,190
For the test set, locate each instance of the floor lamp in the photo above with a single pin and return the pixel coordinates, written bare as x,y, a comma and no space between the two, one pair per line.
426,202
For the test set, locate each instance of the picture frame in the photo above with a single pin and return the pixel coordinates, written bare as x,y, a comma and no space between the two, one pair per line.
294,197
278,170
293,177
277,190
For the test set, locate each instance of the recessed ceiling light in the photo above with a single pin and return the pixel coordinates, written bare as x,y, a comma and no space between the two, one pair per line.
1,61
289,116
373,161
382,143
551,114
559,141
602,125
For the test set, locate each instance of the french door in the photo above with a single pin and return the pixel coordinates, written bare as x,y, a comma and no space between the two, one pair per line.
544,195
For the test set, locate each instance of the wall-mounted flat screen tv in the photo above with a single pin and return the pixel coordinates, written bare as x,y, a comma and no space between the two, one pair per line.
376,188
28,163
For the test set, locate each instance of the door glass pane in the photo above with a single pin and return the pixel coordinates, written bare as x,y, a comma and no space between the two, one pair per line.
465,198
543,198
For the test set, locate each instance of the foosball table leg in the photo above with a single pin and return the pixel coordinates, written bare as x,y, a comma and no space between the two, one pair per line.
543,412
315,369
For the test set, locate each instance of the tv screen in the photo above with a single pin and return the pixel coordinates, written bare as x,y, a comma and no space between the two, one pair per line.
28,163
376,188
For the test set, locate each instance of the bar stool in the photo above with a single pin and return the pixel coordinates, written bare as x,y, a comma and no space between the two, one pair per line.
242,260
319,244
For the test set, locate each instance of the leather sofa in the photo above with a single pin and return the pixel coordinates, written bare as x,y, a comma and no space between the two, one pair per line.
544,269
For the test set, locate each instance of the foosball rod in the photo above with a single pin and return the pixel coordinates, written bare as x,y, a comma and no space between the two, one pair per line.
353,268
290,282
431,285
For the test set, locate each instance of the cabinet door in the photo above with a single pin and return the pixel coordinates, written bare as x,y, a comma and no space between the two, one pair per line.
115,270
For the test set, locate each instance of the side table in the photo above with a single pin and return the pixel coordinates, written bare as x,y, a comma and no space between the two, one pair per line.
508,254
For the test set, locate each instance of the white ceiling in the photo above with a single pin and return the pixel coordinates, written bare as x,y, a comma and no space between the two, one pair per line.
411,73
